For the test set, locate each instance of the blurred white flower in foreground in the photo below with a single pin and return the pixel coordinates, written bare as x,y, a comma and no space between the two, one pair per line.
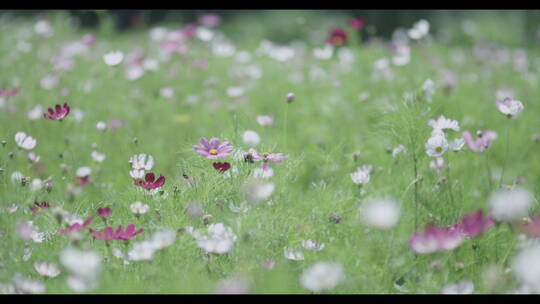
461,287
526,267
218,238
47,269
510,205
113,58
257,191
362,175
24,285
322,276
293,254
25,141
382,213
419,30
251,138
84,267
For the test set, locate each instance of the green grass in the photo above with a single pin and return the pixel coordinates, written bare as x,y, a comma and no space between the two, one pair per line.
326,123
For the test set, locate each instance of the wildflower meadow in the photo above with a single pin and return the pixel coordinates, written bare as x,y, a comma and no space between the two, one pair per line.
296,152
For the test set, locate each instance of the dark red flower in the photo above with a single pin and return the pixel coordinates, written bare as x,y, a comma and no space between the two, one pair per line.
104,213
82,181
61,112
38,206
150,181
357,23
222,167
77,226
337,37
109,234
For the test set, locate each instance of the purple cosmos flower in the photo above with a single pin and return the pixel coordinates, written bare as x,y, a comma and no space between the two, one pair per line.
9,92
475,224
357,23
61,112
150,181
435,239
109,234
337,37
213,149
484,140
104,213
77,226
267,157
209,20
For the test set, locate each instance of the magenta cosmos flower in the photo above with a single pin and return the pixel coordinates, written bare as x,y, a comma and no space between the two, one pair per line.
109,234
531,228
267,157
104,213
356,23
484,140
475,224
337,37
213,149
510,107
61,112
77,226
435,239
150,181
39,206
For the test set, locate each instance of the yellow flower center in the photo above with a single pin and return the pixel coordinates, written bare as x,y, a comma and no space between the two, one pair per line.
438,149
213,151
265,154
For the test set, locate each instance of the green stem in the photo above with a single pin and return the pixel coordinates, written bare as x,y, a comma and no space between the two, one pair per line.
507,149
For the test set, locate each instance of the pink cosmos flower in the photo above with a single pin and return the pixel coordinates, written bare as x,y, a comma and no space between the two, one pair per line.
77,226
337,37
61,112
109,234
210,20
475,224
484,140
357,23
213,149
104,213
532,227
267,157
150,181
9,92
38,206
435,239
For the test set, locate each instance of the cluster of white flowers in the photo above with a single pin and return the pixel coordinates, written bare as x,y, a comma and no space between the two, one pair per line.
322,276
140,163
510,205
218,238
362,175
84,267
438,143
145,250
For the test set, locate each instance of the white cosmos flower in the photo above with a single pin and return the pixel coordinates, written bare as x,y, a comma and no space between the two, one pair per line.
510,107
134,72
49,81
461,287
163,239
437,164
443,123
456,144
293,254
44,28
312,245
382,213
33,157
36,184
113,58
429,89
136,173
47,269
257,191
101,126
510,205
25,141
235,91
25,285
436,145
263,173
526,267
98,157
362,175
80,284
265,120
217,239
322,276
142,161
35,112
83,264
142,251
397,150
251,138
419,30
139,208
83,171
16,177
